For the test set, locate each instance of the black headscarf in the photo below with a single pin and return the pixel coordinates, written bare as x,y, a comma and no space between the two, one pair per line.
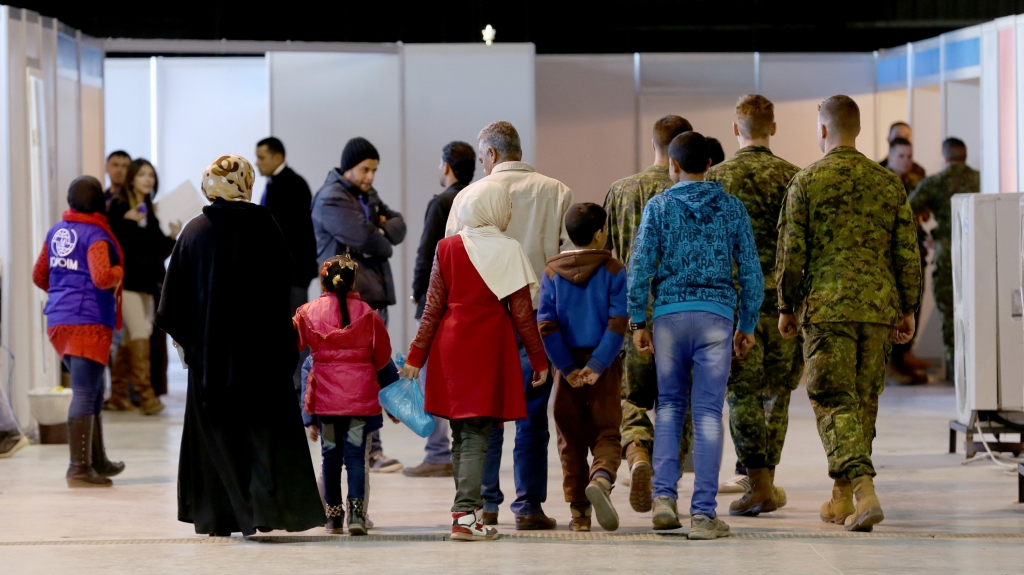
86,195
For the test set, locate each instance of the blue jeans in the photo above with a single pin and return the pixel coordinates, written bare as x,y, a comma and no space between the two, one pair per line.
685,344
87,385
530,455
343,441
438,448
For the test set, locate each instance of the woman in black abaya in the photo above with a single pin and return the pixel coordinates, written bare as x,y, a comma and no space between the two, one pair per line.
244,464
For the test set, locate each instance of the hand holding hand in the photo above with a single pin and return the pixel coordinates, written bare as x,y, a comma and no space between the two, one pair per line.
642,342
904,332
314,433
574,379
589,376
788,326
409,372
539,377
742,343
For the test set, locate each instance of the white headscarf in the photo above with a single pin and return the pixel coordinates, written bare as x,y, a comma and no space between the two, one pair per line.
485,210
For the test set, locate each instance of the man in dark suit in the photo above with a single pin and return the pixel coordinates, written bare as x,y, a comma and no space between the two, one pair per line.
458,162
288,198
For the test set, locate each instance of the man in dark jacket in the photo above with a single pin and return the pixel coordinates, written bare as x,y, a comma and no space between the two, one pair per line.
349,217
287,197
458,162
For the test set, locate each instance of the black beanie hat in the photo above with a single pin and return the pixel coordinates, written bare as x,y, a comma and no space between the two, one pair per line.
356,150
86,195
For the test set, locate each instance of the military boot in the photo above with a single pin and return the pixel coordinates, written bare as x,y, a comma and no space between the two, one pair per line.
80,472
779,493
869,510
638,458
760,498
841,506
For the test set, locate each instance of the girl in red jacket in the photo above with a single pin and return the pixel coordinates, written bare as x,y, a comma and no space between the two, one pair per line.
349,344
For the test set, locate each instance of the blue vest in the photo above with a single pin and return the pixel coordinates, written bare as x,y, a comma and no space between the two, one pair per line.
73,298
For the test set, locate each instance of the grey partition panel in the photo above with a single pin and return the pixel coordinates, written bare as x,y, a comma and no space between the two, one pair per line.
318,100
451,92
586,121
816,76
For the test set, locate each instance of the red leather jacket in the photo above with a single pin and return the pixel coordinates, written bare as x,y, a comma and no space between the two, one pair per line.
343,380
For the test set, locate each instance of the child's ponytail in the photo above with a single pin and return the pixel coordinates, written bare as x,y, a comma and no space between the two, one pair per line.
338,276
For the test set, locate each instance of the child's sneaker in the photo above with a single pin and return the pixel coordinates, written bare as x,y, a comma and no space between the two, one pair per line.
580,519
356,520
599,494
335,519
469,526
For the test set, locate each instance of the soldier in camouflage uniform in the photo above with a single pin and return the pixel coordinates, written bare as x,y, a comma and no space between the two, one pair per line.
849,274
761,382
933,196
901,162
625,206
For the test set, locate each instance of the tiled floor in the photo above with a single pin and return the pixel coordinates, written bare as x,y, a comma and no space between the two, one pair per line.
941,516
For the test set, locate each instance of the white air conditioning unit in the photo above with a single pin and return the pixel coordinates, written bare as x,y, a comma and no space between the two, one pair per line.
989,361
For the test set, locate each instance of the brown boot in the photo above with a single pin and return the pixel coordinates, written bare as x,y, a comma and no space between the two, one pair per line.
760,498
638,458
80,472
149,402
120,373
837,509
100,463
869,510
780,493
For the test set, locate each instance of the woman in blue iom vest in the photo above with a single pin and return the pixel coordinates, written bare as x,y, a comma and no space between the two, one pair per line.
80,269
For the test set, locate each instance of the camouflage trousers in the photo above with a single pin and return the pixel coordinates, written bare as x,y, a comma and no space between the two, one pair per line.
845,365
759,389
942,290
639,394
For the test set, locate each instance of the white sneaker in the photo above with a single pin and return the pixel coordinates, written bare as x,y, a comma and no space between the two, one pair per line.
735,484
470,527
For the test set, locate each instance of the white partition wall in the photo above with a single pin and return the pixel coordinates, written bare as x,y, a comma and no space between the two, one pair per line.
450,93
586,122
41,150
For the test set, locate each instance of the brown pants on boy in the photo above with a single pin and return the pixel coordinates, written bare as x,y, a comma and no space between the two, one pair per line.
588,418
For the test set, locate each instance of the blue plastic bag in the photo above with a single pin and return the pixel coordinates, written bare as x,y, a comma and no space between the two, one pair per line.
404,400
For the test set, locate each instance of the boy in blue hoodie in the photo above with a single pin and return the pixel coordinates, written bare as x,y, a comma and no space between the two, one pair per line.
583,320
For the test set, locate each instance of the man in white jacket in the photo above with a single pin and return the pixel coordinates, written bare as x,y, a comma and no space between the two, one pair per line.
539,204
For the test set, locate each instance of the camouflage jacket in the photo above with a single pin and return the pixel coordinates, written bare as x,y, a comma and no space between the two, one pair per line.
848,243
935,192
759,179
625,206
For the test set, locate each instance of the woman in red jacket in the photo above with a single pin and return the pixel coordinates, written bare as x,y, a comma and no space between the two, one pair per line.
349,345
480,296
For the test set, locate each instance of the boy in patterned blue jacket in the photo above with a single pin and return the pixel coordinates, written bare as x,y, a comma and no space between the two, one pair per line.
690,237
583,320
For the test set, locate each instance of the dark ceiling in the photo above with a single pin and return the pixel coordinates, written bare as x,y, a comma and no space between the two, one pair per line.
554,27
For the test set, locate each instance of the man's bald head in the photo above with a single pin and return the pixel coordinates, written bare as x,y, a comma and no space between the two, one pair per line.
840,115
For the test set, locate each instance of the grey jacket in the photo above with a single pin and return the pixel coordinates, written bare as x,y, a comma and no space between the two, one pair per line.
341,225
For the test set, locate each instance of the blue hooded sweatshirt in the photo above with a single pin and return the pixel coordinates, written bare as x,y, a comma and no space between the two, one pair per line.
683,255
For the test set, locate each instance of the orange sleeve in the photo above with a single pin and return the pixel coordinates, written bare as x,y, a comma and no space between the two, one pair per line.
41,271
104,276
